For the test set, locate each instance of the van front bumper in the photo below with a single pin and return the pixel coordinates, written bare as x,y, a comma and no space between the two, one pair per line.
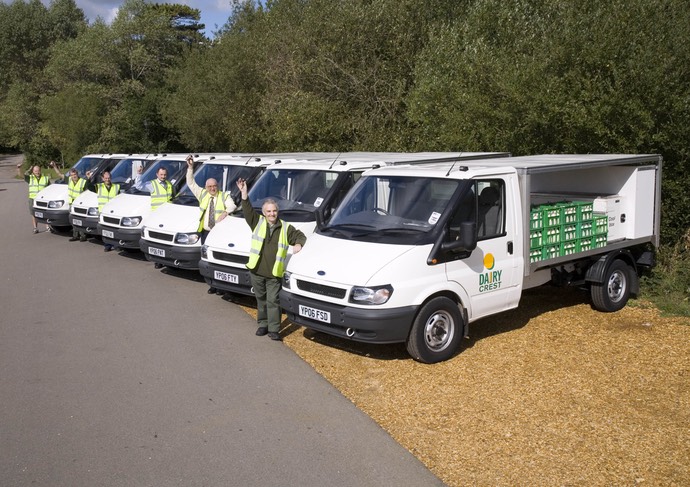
372,325
58,218
230,279
171,255
120,237
84,224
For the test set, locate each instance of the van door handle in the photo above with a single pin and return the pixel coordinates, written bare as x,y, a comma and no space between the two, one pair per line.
510,248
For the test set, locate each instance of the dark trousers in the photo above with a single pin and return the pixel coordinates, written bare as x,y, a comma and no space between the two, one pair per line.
266,291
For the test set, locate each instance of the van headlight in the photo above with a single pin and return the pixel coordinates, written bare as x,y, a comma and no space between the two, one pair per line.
56,203
132,221
204,251
186,238
286,279
371,295
93,211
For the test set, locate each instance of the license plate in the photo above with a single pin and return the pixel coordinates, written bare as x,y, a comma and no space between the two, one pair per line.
158,252
38,214
78,223
226,277
314,314
108,233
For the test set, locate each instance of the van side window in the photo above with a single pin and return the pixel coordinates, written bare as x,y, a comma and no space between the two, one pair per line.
490,209
486,209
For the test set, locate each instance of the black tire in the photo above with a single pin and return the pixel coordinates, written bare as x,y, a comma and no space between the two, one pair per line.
613,292
436,332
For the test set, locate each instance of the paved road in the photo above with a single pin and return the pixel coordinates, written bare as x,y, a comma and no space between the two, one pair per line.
115,374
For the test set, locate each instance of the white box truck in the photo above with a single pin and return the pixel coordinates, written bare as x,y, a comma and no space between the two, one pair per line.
83,213
51,205
415,254
300,188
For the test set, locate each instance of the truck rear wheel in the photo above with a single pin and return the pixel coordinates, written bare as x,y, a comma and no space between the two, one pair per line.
436,332
613,292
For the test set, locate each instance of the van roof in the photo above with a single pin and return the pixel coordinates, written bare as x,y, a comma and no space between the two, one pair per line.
524,164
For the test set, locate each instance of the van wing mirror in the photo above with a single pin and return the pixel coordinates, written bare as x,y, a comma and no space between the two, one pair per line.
466,241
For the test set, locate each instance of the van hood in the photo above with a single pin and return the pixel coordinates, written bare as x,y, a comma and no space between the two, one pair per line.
87,199
53,192
234,235
128,205
174,218
343,261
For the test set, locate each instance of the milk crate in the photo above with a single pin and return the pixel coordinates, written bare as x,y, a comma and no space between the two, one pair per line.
553,215
536,219
585,229
601,224
535,255
569,232
568,247
551,235
550,251
568,213
585,210
586,243
599,241
536,239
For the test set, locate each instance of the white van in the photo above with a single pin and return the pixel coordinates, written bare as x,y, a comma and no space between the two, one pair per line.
51,205
122,218
171,234
301,189
415,253
83,214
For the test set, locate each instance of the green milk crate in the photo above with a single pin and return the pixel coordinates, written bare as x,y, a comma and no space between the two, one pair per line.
569,231
536,239
550,251
568,247
585,210
551,235
601,224
586,243
585,229
536,220
553,215
568,213
599,241
535,255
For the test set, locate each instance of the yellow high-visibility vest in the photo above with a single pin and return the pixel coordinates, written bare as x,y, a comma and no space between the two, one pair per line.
75,189
160,193
258,238
205,200
36,184
105,195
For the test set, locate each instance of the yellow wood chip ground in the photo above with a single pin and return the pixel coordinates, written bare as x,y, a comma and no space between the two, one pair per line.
551,394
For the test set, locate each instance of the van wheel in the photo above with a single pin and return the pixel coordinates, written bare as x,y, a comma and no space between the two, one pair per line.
436,332
613,292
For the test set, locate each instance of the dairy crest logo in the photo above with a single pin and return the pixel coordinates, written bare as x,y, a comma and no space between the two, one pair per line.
491,279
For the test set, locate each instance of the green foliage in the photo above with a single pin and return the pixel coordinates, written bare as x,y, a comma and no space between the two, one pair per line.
668,285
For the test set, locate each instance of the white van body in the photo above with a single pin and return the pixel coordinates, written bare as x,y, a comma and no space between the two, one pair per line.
83,213
301,189
390,268
51,204
122,218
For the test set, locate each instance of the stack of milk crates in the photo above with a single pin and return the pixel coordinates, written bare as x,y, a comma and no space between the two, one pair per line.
565,228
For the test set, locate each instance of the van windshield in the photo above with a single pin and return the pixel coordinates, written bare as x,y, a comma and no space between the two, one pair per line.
123,173
226,176
392,209
173,167
85,164
298,192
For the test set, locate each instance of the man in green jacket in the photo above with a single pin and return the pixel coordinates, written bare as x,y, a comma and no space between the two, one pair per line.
270,240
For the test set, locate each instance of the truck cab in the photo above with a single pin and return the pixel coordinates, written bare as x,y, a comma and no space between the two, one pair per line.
122,218
51,205
84,210
304,191
414,254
